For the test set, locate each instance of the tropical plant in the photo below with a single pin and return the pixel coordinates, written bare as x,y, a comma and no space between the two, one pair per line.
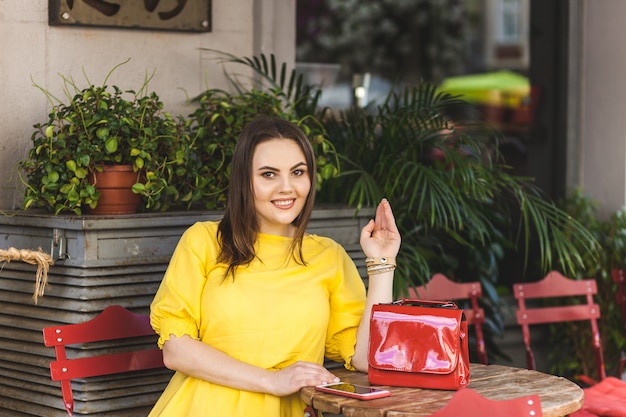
458,208
446,183
100,126
572,352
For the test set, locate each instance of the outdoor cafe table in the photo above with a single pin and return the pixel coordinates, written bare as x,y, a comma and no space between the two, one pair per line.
559,396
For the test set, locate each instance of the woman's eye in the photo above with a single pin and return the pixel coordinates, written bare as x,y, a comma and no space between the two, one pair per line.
299,172
268,174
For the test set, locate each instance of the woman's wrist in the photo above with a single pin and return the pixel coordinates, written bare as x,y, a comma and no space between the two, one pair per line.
380,265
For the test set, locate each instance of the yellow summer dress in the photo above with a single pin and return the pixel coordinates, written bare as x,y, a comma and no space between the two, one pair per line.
274,313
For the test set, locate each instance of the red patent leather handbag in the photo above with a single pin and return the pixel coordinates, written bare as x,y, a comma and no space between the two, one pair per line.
418,343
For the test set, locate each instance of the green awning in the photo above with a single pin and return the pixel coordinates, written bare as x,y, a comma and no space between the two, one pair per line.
500,88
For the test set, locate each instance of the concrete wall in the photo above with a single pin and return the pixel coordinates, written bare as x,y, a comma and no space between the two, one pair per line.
603,104
30,49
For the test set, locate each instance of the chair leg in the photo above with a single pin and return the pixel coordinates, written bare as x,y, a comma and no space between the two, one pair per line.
530,359
68,397
482,351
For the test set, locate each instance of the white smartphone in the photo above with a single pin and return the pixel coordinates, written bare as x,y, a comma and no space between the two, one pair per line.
360,392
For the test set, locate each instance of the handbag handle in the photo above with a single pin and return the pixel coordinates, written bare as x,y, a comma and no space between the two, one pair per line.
425,303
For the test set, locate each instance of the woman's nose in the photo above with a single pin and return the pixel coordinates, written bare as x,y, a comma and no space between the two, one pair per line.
285,184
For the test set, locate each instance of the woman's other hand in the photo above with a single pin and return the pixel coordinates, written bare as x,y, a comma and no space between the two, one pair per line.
380,237
300,374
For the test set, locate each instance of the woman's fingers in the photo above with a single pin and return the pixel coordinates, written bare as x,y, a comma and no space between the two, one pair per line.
380,237
301,374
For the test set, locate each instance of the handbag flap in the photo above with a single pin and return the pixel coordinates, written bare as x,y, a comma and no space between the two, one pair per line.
416,336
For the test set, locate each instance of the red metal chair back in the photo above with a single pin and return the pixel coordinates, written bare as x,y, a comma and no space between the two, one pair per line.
468,403
441,288
115,322
555,285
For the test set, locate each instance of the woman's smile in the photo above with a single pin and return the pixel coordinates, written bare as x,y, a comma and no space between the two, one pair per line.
284,203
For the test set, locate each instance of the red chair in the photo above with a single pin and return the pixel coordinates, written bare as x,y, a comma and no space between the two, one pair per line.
441,288
115,322
606,398
554,285
468,403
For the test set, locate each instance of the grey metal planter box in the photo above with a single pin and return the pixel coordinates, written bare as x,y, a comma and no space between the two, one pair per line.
101,261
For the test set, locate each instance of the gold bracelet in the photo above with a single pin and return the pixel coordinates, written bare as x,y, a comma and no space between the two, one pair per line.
379,266
380,269
380,261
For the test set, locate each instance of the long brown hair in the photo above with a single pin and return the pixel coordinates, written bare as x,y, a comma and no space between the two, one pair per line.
238,230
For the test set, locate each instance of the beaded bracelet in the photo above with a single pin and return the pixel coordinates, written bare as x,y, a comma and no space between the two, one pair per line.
379,269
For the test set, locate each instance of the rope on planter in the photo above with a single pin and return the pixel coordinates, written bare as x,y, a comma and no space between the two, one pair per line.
39,258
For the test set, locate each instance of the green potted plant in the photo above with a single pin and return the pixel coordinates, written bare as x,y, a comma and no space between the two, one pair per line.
101,129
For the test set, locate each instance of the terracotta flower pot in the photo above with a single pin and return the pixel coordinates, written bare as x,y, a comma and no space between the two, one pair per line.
115,185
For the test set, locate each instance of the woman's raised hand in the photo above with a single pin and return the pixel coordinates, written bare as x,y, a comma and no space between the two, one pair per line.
380,237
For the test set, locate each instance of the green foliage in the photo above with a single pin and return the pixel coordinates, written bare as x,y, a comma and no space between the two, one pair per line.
184,162
457,207
445,184
572,352
99,126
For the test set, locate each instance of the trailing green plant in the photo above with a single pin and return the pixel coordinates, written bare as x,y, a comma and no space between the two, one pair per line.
99,126
572,351
181,162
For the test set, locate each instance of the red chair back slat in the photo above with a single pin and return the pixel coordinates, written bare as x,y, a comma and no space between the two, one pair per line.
115,322
441,288
106,326
547,315
555,285
106,364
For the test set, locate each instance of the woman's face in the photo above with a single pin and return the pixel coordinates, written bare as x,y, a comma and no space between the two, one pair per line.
281,185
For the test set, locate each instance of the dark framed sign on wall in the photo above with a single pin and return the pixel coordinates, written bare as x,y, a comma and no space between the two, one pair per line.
173,15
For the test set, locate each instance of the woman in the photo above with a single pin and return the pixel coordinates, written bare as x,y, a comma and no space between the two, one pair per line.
250,306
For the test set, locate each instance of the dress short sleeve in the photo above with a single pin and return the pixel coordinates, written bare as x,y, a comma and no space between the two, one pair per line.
347,303
175,309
